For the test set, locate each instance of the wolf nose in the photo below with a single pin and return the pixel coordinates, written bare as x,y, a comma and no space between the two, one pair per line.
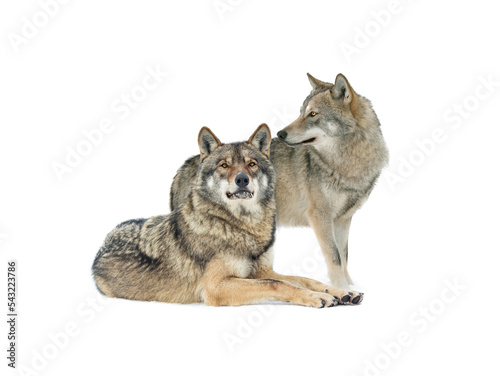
242,180
282,135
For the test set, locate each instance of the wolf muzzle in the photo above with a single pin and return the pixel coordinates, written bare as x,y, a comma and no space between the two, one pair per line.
242,181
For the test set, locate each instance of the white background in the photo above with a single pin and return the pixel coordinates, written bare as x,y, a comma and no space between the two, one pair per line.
232,71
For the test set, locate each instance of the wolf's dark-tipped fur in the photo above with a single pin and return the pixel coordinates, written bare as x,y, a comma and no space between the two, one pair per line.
216,246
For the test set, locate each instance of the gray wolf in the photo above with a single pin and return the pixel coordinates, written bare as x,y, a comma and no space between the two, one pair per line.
327,162
215,247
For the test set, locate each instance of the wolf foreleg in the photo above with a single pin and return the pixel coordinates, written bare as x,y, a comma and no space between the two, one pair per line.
323,227
341,228
343,296
240,291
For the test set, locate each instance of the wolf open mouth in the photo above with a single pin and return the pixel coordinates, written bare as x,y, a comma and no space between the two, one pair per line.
306,142
239,195
311,140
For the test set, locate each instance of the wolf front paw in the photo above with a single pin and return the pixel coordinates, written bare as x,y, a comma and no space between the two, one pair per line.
352,298
319,300
346,297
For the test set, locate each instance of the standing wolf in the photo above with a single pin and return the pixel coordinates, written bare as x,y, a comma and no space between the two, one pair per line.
216,246
327,162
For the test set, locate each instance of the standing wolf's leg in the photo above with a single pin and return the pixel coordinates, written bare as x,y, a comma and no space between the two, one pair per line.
341,232
239,291
323,228
265,270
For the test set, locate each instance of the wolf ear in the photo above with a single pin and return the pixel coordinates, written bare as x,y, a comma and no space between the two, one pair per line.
342,90
261,139
207,142
315,83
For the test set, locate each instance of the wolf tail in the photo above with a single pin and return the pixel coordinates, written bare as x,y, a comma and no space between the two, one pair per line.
123,240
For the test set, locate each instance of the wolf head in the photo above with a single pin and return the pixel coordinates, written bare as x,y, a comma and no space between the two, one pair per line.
328,113
237,175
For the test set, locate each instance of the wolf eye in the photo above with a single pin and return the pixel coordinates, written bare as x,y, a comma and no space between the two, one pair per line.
224,165
313,114
252,164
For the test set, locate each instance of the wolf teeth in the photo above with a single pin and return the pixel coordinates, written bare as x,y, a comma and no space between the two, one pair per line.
244,194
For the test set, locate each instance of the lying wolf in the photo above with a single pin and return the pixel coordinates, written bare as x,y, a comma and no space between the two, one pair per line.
327,162
216,246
